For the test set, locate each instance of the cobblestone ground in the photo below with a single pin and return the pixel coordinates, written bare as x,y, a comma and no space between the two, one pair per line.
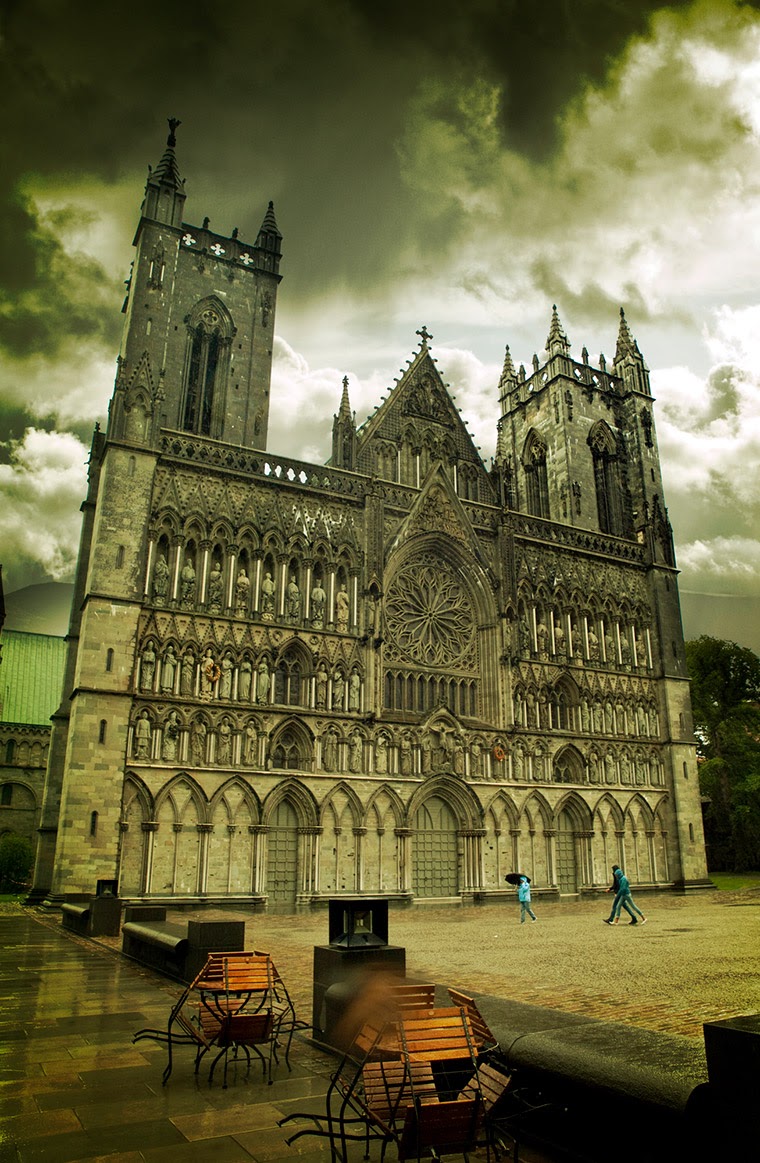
696,960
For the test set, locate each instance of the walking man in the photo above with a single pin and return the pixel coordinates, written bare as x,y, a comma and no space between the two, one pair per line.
623,899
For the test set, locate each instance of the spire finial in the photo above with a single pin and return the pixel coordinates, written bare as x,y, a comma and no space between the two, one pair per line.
174,124
557,341
424,335
508,371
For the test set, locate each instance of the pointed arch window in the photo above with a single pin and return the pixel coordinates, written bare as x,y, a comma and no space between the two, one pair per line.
608,480
536,480
209,334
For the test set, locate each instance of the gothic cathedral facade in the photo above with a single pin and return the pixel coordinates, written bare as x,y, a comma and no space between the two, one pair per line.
401,673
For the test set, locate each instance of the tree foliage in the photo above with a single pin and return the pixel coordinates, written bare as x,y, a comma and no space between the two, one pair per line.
725,695
16,859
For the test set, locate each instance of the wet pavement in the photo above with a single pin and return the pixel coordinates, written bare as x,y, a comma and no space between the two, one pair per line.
74,1087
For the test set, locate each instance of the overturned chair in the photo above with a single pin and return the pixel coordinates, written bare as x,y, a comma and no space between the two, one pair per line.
404,1082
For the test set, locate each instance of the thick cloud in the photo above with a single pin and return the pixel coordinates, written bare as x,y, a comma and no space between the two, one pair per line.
461,165
41,490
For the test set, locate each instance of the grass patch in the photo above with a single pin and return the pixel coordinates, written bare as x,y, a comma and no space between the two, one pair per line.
735,881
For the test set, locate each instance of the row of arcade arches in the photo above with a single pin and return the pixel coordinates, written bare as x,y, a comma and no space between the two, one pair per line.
441,844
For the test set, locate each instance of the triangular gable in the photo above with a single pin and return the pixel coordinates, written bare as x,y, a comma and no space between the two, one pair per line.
419,404
438,510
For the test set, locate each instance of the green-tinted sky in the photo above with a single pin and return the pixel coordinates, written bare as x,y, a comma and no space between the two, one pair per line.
461,165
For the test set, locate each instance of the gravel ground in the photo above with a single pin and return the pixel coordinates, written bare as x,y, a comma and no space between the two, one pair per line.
697,959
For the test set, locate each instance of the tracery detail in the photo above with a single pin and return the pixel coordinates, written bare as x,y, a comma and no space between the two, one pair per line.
429,616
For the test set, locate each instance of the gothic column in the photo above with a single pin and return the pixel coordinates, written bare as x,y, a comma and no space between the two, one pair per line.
205,548
282,571
175,567
353,614
258,856
330,603
149,829
515,835
404,865
359,834
203,834
550,838
232,552
256,607
149,563
306,607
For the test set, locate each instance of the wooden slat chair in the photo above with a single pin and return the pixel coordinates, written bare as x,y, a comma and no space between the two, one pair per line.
491,1085
252,983
345,1117
412,995
485,1041
445,1122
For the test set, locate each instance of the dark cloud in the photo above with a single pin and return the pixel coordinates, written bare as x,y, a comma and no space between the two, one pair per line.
299,101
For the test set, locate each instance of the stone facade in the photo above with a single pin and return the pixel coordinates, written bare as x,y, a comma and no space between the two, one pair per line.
400,673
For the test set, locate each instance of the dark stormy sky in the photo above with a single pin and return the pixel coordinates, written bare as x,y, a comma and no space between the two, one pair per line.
463,165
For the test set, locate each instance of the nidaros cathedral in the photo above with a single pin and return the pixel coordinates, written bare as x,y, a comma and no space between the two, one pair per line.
401,673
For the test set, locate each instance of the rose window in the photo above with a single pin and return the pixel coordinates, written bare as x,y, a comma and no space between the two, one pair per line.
429,616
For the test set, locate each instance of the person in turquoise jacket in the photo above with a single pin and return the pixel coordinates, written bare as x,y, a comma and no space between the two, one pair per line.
523,895
623,899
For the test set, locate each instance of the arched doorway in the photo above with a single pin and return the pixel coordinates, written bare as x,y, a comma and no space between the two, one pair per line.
567,866
282,857
434,861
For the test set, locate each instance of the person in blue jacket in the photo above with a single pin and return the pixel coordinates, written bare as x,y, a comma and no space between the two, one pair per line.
623,899
523,895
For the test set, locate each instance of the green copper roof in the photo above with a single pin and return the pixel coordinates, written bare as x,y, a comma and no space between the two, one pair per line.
31,676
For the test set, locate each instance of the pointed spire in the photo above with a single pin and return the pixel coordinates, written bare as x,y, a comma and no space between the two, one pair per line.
557,342
269,225
344,412
165,190
626,344
508,375
167,170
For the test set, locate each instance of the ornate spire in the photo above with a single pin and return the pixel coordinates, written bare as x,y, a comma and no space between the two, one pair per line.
167,170
508,375
344,412
557,342
626,344
269,225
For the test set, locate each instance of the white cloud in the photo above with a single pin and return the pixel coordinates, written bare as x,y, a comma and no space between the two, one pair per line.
40,494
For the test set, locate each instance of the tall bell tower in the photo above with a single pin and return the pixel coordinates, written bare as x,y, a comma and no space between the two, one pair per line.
197,349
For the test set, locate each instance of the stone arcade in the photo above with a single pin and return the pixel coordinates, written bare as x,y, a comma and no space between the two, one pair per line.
401,673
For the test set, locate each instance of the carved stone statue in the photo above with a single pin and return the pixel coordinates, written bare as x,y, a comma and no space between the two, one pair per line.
225,742
160,580
381,754
318,599
405,755
198,733
542,636
262,682
215,585
354,691
355,752
187,674
168,670
330,751
170,739
147,666
187,578
249,748
244,680
293,600
593,645
143,736
225,682
339,686
341,609
321,688
242,592
267,598
209,674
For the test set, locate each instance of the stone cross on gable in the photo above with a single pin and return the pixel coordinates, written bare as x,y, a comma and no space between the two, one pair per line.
424,335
